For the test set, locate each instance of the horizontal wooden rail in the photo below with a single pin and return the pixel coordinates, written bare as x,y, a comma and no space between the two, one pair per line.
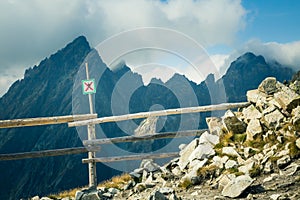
159,113
131,157
45,153
44,120
145,137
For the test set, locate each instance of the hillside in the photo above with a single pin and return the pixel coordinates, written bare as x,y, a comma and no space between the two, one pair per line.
253,153
48,89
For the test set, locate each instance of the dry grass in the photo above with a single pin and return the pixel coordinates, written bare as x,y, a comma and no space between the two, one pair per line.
116,181
255,171
294,150
185,184
257,143
207,172
66,193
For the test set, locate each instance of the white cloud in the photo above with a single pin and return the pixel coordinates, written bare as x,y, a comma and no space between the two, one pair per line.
286,54
219,60
33,29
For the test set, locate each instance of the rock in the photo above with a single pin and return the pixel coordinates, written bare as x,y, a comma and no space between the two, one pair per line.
129,185
232,123
290,170
268,167
230,164
236,186
201,152
224,179
135,175
176,171
220,161
230,151
45,198
107,195
251,112
35,198
157,196
275,196
250,197
214,125
113,190
269,109
298,143
149,165
253,129
282,162
166,190
296,118
256,97
193,169
247,166
67,198
219,198
197,164
78,195
181,146
90,195
268,86
208,138
173,197
186,152
273,119
249,151
282,153
142,186
286,97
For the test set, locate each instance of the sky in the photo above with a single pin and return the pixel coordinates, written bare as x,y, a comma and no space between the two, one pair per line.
32,30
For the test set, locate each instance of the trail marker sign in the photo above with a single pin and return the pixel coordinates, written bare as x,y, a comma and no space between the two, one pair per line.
88,86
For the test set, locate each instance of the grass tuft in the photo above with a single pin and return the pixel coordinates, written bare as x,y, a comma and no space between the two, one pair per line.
186,183
116,181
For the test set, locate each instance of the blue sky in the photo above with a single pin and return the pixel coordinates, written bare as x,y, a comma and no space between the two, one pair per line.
32,30
276,20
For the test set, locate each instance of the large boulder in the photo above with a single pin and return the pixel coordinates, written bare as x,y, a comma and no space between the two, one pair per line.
186,152
268,86
254,129
214,125
286,97
273,119
233,124
237,186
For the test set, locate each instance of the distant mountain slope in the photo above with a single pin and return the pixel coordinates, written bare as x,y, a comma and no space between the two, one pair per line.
247,72
46,90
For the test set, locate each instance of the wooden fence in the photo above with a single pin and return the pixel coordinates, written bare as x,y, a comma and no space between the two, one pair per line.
92,144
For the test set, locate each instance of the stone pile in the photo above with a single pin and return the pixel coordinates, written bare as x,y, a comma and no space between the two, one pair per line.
251,153
260,139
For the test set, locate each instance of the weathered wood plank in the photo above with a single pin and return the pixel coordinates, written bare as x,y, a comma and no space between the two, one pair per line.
45,153
144,137
159,113
44,120
132,157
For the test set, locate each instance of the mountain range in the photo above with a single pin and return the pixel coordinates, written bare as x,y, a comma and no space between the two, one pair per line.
51,89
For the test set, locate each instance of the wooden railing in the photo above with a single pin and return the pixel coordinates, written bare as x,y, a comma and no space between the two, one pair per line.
92,144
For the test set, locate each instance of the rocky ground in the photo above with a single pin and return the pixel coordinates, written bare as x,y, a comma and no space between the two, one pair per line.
249,154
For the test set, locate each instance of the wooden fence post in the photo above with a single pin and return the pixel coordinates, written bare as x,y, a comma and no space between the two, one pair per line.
91,136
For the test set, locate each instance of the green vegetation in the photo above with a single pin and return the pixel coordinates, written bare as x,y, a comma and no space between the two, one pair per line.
255,171
185,184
